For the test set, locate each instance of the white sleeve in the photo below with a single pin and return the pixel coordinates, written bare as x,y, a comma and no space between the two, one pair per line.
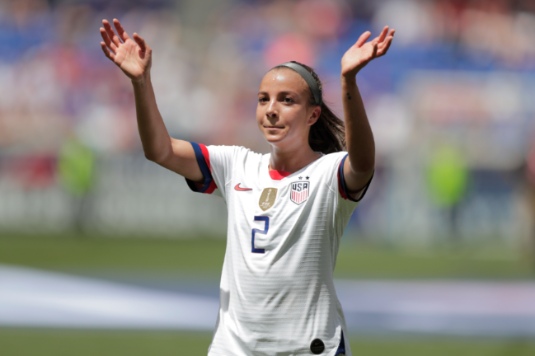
216,164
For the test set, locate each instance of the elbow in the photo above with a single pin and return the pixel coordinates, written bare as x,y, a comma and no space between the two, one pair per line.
151,157
155,157
158,153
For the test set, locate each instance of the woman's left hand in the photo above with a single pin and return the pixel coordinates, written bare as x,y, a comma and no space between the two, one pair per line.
362,52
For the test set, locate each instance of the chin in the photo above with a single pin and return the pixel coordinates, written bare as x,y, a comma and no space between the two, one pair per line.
272,139
271,136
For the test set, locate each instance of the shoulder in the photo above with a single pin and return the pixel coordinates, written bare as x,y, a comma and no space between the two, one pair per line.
234,151
231,156
330,168
332,159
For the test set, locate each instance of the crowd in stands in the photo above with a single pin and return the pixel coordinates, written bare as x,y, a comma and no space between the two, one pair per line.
209,56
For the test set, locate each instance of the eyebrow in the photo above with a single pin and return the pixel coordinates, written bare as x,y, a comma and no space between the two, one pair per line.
284,92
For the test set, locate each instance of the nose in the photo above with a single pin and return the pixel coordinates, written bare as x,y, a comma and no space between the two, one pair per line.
271,111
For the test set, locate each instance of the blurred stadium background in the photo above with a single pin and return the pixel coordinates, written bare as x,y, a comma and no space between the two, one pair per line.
102,252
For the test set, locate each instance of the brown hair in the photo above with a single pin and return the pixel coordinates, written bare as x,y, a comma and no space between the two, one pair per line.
327,135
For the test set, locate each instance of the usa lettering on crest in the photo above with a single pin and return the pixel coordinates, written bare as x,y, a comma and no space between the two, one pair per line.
299,192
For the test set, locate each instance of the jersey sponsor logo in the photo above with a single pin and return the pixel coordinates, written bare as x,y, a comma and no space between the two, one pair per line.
239,188
299,192
267,198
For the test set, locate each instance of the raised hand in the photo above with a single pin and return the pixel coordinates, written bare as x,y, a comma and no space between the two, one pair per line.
132,55
362,52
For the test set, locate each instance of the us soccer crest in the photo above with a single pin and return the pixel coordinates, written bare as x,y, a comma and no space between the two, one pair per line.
299,192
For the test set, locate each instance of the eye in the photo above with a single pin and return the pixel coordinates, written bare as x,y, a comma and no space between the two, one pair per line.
288,100
262,99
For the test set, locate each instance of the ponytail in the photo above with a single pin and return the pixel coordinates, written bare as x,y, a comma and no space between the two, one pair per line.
327,135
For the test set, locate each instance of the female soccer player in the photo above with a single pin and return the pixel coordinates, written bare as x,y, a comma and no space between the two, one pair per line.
286,210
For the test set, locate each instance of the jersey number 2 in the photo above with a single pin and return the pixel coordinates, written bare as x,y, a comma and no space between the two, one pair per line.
265,219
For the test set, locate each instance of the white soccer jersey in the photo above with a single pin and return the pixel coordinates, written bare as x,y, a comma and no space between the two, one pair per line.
277,295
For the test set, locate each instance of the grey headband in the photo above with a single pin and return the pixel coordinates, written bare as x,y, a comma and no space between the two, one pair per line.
305,74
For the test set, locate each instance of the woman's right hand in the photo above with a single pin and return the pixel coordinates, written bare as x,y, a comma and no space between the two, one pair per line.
132,55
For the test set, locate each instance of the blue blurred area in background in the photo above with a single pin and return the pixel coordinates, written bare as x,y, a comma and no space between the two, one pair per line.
451,107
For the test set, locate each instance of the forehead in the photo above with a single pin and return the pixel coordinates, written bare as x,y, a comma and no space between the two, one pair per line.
283,79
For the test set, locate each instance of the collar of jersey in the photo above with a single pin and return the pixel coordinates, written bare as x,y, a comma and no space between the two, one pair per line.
278,175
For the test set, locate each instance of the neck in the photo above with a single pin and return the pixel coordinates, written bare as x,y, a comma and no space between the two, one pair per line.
292,161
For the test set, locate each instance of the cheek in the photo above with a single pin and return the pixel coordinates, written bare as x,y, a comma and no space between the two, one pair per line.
259,114
296,117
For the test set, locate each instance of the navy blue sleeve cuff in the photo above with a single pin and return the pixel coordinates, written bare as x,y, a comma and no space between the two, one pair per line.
203,160
342,187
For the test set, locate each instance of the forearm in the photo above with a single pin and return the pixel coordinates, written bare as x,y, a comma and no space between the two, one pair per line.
152,131
359,136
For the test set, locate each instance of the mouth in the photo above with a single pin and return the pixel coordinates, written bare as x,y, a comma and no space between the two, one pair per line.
271,127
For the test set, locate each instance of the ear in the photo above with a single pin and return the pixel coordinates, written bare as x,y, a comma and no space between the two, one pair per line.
314,115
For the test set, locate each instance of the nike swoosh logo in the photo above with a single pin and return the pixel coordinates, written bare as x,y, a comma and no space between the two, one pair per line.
241,189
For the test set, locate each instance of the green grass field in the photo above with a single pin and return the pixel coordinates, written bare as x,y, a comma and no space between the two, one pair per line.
99,256
203,256
35,342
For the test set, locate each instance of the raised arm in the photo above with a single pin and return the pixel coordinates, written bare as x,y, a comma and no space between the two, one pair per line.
134,57
359,167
